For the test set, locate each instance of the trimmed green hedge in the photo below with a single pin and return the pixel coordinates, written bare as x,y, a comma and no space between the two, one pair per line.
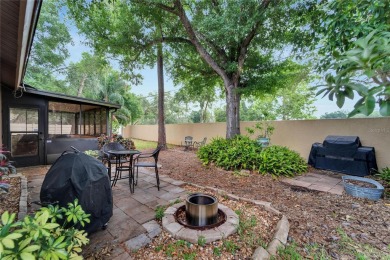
241,152
281,161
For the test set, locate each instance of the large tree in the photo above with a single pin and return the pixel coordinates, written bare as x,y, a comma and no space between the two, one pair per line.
83,76
49,52
240,41
131,33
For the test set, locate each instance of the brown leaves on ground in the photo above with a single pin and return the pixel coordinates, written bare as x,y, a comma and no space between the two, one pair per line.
10,201
315,217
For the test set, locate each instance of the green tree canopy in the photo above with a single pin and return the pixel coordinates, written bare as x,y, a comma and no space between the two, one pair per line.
355,47
49,51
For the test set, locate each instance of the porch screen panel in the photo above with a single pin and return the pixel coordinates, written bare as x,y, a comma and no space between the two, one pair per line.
86,123
98,123
92,122
54,123
24,131
103,117
68,123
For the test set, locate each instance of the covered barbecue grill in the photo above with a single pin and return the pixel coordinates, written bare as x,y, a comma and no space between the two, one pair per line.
343,154
77,175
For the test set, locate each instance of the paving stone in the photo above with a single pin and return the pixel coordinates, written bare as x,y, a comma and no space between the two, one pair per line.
177,190
173,228
169,196
337,190
153,228
211,235
233,197
163,184
187,234
167,179
170,187
168,219
227,229
178,183
233,220
320,187
299,183
127,202
260,254
274,246
125,230
177,205
282,229
171,210
144,217
262,203
136,210
137,242
144,198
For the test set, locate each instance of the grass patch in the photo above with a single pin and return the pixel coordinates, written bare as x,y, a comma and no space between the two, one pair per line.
159,212
142,145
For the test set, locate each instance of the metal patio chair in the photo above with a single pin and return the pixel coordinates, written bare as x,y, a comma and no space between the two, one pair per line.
200,144
141,160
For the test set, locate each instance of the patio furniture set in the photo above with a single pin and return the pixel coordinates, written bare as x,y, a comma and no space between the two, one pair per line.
190,144
114,154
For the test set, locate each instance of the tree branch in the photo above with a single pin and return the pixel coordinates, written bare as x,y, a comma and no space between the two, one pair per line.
243,48
191,32
221,53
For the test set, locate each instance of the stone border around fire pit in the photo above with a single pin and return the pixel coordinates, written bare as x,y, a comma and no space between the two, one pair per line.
279,239
179,231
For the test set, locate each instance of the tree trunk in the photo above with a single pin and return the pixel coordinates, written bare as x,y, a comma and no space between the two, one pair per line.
82,84
161,118
232,110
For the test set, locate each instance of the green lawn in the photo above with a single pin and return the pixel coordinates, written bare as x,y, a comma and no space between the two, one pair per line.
142,145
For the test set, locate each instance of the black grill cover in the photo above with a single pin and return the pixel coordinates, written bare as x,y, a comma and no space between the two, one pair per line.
77,175
343,154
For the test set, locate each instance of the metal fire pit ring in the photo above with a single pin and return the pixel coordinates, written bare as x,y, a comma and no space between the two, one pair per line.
182,220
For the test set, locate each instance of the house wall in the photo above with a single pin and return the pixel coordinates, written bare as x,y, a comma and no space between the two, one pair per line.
298,135
1,117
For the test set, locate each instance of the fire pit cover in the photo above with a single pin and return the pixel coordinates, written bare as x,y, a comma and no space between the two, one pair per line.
77,175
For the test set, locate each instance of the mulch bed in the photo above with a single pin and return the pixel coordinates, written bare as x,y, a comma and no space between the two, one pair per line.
315,217
10,201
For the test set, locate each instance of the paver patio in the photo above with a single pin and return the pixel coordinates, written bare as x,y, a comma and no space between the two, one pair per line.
318,182
133,214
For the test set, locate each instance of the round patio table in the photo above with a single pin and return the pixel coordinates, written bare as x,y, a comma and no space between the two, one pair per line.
121,167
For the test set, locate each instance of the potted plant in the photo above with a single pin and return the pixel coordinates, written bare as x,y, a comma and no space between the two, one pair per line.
5,168
265,129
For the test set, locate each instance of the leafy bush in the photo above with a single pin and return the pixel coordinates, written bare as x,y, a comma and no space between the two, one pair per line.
40,236
92,153
5,165
384,174
239,152
105,139
281,161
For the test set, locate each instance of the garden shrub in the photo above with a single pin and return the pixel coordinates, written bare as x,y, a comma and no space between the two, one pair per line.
239,152
41,237
281,161
105,139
